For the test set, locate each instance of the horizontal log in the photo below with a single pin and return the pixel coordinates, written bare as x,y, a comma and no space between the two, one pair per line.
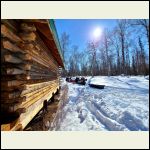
21,110
10,89
34,77
39,66
30,69
15,56
29,66
12,59
15,100
37,97
41,73
13,71
28,47
32,110
22,66
42,70
28,86
6,32
28,37
13,108
12,95
26,66
35,92
22,77
26,57
10,23
38,57
11,84
11,47
27,27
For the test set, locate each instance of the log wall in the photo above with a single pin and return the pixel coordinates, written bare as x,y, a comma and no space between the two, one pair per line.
29,73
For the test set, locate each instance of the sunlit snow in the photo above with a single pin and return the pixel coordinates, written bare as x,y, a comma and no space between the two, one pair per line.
122,105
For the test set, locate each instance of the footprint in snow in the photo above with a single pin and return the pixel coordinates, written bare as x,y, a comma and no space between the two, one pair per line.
82,114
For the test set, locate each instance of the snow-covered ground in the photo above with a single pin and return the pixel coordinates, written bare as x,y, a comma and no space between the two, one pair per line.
122,105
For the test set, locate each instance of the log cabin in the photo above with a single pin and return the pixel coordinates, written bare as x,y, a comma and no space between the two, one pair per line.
30,61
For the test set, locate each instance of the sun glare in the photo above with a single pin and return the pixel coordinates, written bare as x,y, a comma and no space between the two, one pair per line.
97,32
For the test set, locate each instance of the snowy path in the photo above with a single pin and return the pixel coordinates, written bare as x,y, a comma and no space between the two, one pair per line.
122,105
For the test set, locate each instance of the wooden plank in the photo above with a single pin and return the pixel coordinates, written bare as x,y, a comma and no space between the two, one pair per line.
28,86
16,106
13,108
19,99
36,97
27,27
27,72
26,57
35,91
28,47
9,34
11,47
5,127
13,71
12,59
12,95
35,87
9,108
28,37
11,24
23,66
38,57
13,83
22,77
34,109
32,77
31,111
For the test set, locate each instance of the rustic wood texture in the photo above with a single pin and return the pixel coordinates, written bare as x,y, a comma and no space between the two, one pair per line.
29,72
6,32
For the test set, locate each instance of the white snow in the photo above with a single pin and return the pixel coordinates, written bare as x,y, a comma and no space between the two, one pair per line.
122,105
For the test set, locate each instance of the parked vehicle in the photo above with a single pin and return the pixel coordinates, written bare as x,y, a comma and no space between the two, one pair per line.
77,80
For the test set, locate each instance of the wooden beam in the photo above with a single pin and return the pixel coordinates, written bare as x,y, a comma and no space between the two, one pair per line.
12,59
7,101
28,37
14,71
11,47
9,34
13,83
27,27
11,24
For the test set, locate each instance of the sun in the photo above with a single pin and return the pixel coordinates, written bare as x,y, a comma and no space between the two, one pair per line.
97,32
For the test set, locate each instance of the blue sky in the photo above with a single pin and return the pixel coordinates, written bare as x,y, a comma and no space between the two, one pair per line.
80,30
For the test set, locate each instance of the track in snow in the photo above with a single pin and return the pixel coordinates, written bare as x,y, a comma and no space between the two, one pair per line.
112,109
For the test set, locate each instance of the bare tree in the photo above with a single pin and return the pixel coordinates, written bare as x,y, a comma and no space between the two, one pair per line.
142,57
116,45
122,32
65,41
92,49
144,23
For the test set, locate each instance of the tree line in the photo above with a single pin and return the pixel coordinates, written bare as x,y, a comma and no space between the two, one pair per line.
121,50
